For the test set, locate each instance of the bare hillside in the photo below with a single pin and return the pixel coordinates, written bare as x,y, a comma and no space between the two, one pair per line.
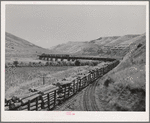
17,48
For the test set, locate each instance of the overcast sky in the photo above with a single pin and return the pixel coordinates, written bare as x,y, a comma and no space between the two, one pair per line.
49,25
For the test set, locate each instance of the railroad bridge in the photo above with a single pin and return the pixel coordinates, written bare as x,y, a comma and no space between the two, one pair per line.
71,57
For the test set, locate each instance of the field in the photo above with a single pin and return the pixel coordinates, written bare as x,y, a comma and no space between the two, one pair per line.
19,79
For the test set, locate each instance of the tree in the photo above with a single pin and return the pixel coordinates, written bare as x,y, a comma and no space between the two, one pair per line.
47,64
16,63
77,63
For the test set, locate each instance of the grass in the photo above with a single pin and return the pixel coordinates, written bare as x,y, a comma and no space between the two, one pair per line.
22,78
123,88
19,79
125,91
129,89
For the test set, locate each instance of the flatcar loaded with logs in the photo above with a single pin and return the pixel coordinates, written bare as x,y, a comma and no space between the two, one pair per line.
47,97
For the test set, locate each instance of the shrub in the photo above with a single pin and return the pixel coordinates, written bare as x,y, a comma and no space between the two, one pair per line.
77,63
139,45
15,63
47,64
107,81
91,64
30,64
64,63
50,63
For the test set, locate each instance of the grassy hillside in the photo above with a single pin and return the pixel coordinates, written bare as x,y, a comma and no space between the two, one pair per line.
82,48
21,50
102,41
123,89
17,48
121,40
92,47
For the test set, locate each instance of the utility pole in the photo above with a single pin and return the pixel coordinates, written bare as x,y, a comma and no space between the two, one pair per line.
43,78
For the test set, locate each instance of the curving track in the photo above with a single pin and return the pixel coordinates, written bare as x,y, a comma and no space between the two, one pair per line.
89,102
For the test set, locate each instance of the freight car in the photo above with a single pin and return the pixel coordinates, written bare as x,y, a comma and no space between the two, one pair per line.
49,96
55,55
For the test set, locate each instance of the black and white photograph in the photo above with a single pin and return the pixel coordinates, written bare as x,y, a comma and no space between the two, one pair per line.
75,61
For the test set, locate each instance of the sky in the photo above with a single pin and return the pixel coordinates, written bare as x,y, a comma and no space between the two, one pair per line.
50,25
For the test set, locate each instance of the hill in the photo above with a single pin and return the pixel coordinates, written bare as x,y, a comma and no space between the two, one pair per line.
93,47
102,41
20,49
121,39
127,82
17,48
79,48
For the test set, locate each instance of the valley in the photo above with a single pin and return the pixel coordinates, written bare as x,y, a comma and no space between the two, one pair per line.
119,94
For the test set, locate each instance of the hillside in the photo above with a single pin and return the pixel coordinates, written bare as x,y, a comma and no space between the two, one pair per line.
17,48
102,41
82,48
20,49
125,90
94,46
121,39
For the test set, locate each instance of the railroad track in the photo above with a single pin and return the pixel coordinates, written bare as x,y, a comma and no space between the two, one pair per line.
54,92
89,102
63,106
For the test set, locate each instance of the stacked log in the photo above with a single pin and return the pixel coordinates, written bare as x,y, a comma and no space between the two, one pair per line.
48,96
23,102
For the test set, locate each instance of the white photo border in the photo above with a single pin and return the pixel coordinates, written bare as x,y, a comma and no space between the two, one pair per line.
39,116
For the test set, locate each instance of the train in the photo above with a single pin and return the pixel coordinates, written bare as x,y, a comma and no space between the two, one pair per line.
56,55
47,97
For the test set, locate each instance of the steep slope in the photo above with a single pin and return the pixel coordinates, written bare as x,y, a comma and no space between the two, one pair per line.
121,40
126,83
17,48
137,39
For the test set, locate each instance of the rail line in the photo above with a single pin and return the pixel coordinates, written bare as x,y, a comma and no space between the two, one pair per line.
89,102
50,96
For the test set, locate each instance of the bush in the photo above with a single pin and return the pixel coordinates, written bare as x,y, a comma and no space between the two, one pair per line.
77,63
95,63
107,81
47,64
91,64
15,63
139,45
64,63
50,63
